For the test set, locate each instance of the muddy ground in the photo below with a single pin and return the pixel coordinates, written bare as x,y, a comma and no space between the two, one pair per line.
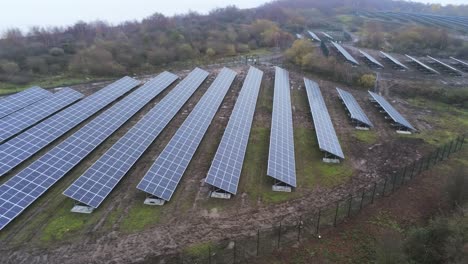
122,230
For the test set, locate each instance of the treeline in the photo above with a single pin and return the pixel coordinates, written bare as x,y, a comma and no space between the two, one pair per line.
101,49
413,39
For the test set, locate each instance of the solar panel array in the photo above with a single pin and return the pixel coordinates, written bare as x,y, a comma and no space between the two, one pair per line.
327,35
371,59
424,66
326,135
450,68
392,112
281,160
28,185
26,117
22,99
162,178
100,179
226,167
353,107
460,61
18,149
345,53
313,35
391,58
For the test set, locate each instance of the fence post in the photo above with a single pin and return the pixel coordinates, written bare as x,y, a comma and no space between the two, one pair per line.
443,152
373,192
318,221
428,161
209,255
393,183
350,204
384,186
462,141
279,235
258,242
412,170
299,227
362,198
450,150
404,175
436,159
420,165
336,213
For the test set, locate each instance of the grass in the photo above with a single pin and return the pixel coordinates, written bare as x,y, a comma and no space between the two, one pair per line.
384,219
140,216
47,82
368,137
198,250
63,224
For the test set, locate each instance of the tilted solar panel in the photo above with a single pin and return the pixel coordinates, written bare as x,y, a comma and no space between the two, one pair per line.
281,160
353,107
24,188
20,120
371,59
313,36
162,178
392,112
392,59
20,148
226,167
15,102
422,65
345,53
326,135
100,179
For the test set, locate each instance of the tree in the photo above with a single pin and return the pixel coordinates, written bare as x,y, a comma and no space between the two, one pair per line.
301,52
56,52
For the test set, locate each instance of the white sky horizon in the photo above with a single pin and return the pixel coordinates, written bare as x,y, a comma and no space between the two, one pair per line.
24,14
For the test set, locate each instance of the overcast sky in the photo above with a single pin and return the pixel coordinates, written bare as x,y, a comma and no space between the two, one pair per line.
26,13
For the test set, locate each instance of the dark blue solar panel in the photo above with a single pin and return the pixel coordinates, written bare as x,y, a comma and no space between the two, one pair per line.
392,112
326,135
28,185
26,144
281,160
26,117
226,167
101,178
345,53
15,102
162,178
353,107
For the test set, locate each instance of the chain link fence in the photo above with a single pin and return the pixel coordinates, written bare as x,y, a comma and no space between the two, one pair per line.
288,233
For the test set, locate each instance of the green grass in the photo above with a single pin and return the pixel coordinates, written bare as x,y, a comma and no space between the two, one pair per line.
309,166
63,224
112,218
368,137
140,216
198,250
47,82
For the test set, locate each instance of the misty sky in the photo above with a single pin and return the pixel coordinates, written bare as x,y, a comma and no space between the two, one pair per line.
26,13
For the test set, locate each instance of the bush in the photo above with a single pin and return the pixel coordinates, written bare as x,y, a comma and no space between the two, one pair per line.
56,52
367,81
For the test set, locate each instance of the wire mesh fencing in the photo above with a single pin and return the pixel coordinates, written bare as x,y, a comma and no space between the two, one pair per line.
309,225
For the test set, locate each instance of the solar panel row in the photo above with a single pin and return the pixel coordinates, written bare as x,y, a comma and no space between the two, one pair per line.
226,167
100,179
26,117
392,112
326,135
22,99
281,160
164,175
18,149
345,53
371,59
313,36
28,185
422,65
395,61
353,107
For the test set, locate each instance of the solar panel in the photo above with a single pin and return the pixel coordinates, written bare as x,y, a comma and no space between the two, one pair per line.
226,167
18,149
22,99
395,61
327,35
448,67
371,59
326,135
29,184
281,161
392,112
162,178
353,107
26,117
100,179
422,65
460,61
345,53
313,36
